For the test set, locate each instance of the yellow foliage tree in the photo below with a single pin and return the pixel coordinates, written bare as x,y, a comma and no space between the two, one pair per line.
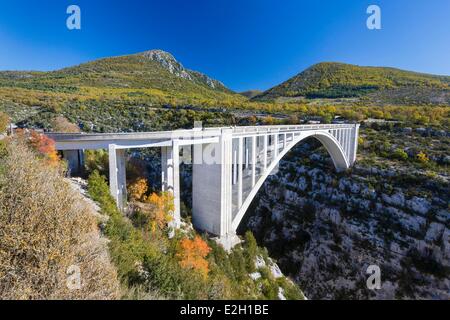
192,254
137,189
161,211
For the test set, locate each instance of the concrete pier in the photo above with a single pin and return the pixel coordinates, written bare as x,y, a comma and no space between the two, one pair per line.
117,176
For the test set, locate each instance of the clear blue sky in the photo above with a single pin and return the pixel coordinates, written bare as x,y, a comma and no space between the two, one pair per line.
247,44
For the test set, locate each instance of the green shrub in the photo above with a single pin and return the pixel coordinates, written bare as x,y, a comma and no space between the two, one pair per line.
291,291
399,154
239,264
251,250
269,289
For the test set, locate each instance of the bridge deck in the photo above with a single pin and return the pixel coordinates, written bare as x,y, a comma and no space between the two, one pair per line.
73,141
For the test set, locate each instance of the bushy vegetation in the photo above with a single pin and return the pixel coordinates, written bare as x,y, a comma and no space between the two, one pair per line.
150,264
406,146
47,231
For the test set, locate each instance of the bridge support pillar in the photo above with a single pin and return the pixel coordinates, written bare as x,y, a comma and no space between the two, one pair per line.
355,144
254,162
170,175
265,138
75,160
235,163
275,153
240,169
117,176
212,188
247,155
166,180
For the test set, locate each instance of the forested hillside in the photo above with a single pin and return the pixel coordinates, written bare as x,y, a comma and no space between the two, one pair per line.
151,73
152,91
373,85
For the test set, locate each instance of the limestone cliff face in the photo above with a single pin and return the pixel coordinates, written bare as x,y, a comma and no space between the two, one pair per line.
325,229
169,62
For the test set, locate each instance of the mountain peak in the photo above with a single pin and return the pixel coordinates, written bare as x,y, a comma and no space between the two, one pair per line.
168,61
157,53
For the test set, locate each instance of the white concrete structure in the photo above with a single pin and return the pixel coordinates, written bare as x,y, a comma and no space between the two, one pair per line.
230,164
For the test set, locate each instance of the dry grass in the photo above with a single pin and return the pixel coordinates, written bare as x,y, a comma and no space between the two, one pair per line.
46,227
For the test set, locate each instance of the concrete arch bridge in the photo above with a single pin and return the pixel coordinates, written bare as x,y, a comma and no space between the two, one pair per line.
230,164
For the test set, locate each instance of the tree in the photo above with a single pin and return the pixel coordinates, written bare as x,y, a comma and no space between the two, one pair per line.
252,120
137,189
269,120
327,118
162,207
252,250
97,160
45,146
361,141
192,254
293,119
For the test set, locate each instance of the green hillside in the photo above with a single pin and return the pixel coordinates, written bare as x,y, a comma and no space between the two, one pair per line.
155,69
114,94
152,91
371,84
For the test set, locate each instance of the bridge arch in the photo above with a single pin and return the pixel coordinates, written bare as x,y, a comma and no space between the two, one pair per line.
330,143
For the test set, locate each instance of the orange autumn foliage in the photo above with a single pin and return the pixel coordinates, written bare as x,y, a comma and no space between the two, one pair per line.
45,146
138,188
162,209
192,254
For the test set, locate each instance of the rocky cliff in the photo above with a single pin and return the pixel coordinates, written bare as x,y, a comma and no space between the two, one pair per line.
325,229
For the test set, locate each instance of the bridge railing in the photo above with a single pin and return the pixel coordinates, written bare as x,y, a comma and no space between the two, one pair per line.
289,128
